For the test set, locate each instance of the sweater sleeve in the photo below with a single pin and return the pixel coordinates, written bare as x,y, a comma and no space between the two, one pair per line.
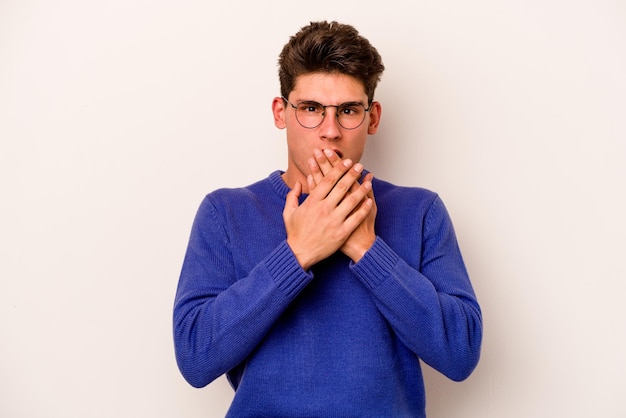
433,308
220,318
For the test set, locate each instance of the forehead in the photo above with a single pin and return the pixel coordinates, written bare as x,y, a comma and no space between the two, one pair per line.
328,88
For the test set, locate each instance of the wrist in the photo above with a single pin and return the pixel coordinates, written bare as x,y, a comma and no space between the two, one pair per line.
301,256
357,251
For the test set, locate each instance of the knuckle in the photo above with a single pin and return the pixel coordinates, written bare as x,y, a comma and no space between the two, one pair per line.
342,186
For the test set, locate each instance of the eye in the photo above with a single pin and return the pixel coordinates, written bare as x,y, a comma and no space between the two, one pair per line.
310,107
351,109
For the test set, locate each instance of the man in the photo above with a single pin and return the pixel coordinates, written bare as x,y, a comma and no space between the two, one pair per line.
318,290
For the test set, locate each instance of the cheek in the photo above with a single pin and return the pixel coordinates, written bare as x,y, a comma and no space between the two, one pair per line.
299,147
357,146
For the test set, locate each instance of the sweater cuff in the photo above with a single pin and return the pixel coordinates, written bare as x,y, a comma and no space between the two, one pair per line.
377,264
286,272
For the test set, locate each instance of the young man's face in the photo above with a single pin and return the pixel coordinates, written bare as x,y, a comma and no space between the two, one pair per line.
327,89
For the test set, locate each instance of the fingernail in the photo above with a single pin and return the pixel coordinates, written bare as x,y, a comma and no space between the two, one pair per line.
317,153
347,162
328,152
358,167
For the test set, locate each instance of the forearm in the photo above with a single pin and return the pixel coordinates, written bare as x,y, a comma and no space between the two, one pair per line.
216,327
441,325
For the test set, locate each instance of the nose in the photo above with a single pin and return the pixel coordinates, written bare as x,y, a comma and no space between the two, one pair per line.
330,130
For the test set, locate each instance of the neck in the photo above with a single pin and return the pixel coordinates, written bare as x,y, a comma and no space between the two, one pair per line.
291,180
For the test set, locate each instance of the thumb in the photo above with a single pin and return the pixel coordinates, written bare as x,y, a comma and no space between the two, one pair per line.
291,201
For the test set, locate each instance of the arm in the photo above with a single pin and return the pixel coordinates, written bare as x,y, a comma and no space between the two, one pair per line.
219,317
432,309
219,320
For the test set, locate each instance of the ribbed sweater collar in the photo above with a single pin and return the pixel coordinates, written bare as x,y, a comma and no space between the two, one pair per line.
280,187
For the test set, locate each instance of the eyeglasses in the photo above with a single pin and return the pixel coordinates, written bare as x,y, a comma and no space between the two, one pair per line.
311,114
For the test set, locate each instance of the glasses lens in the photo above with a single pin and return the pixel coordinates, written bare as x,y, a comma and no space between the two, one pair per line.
310,114
350,115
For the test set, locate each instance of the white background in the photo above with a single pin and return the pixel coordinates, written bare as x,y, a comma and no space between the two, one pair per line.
117,117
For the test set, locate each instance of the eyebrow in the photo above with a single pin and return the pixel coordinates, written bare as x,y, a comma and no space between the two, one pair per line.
350,102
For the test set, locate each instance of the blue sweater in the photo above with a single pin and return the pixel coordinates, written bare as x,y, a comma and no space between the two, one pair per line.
343,339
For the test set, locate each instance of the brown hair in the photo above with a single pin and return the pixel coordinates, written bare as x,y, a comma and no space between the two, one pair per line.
330,48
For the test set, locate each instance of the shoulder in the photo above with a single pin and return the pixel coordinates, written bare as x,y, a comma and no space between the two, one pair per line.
385,191
403,205
232,195
239,202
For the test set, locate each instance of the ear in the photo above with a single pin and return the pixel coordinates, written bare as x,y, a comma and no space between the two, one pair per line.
278,109
374,120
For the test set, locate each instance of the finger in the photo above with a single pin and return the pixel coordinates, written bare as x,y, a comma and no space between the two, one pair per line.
358,215
347,183
332,180
329,160
333,159
369,177
320,165
315,171
322,160
291,201
310,183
